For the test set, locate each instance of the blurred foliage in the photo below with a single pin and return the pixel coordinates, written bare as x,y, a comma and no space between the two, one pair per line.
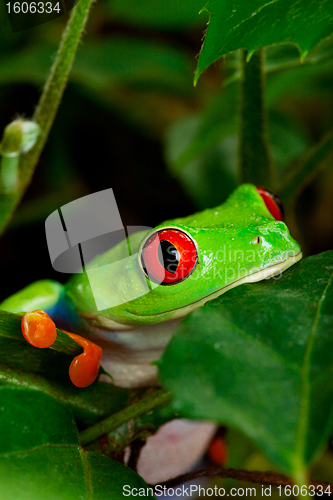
70,471
131,119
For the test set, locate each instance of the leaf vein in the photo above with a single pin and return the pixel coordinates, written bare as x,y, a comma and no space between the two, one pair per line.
253,14
86,471
31,450
303,419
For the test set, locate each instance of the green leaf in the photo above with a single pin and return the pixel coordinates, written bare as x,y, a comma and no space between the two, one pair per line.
88,404
40,456
254,24
260,358
21,365
16,352
21,431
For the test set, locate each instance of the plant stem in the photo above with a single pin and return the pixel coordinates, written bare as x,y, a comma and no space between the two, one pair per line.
301,479
48,105
254,159
304,171
116,420
251,476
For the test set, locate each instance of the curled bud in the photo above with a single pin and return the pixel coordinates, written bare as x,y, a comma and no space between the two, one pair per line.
30,133
18,137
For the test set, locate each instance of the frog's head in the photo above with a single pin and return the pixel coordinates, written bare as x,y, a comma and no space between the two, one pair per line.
184,262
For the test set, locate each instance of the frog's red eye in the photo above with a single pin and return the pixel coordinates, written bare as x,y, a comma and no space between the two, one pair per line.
168,256
272,201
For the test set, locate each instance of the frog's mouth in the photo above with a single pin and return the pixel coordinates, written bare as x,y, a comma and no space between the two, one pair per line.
180,312
266,273
270,271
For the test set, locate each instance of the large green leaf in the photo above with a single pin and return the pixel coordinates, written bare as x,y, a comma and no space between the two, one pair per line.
260,358
253,24
40,456
88,404
16,352
21,365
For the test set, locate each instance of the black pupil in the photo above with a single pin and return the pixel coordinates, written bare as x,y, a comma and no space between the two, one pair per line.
168,256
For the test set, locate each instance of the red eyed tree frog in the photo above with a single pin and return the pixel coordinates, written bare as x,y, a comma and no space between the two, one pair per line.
185,262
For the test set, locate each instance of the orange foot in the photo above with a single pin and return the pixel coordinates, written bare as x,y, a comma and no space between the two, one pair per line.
218,451
40,331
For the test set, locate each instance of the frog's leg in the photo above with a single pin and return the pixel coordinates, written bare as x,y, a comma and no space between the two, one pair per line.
38,328
44,294
84,368
40,331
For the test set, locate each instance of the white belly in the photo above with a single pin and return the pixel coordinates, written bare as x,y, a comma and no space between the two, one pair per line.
127,354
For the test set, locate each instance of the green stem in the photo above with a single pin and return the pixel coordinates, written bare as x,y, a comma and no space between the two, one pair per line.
254,159
48,105
116,420
304,171
301,479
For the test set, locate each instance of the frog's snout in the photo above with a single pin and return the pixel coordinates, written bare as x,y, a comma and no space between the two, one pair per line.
277,236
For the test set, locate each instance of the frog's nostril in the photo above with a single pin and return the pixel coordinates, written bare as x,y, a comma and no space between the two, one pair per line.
256,240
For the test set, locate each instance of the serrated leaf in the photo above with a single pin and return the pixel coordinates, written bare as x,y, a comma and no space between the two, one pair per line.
40,456
254,24
260,358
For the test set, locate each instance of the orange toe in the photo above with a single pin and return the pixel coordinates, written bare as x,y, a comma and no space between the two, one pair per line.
84,368
38,329
218,451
